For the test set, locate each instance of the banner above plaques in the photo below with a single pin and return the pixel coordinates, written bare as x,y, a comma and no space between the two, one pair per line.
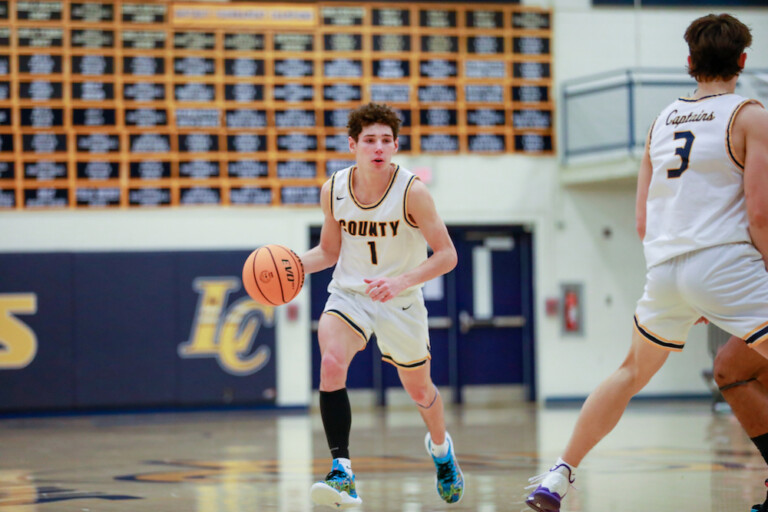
251,16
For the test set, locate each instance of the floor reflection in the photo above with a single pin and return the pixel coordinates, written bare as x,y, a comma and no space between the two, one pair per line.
662,457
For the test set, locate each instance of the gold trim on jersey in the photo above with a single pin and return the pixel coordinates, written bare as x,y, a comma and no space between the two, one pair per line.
405,202
333,183
694,100
381,199
730,127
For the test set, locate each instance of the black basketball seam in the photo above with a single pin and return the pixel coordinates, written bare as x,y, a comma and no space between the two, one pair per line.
299,265
277,269
256,277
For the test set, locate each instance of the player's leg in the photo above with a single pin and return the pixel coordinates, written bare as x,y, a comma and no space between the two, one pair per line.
417,382
339,342
742,375
606,404
419,386
762,349
599,415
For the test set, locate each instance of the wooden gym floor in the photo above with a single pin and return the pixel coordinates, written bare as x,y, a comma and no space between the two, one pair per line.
675,457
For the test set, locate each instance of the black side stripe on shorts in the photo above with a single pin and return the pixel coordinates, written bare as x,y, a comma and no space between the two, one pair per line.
756,336
412,365
654,339
349,321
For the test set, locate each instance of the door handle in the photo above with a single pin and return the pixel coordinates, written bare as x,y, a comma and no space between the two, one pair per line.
439,322
467,321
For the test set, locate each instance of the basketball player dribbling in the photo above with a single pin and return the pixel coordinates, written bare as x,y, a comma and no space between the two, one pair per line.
378,220
702,213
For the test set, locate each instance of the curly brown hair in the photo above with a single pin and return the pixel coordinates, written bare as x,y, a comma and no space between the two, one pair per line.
715,43
372,113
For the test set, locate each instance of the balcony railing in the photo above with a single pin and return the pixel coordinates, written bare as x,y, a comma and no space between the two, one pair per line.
610,113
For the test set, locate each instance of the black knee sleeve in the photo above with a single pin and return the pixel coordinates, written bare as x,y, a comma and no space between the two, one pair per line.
337,421
762,444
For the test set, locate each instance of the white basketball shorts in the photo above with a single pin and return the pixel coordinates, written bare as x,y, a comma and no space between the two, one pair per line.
726,284
400,324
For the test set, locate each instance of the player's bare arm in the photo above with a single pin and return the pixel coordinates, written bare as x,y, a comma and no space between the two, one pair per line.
422,212
326,253
643,182
753,120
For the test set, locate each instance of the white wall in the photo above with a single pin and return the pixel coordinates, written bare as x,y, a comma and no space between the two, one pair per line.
568,221
593,40
590,41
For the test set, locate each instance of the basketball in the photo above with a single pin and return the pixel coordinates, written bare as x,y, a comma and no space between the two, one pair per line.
273,275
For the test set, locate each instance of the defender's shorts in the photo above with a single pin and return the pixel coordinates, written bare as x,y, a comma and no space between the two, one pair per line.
400,324
726,284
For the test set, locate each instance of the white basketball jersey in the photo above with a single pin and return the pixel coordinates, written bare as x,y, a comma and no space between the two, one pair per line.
377,240
696,195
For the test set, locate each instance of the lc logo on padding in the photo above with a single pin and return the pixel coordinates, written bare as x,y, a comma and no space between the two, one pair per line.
228,334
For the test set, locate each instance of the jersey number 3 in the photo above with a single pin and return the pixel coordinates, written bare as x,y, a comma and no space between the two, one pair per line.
683,152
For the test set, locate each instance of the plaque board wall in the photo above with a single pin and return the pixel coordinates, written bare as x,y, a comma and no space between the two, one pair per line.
142,104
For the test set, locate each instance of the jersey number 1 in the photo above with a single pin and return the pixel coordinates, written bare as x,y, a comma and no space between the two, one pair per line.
374,259
683,152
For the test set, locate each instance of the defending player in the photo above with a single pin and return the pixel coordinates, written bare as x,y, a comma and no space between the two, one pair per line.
702,213
379,219
742,375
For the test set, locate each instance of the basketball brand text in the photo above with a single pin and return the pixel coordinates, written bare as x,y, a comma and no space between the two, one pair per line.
289,274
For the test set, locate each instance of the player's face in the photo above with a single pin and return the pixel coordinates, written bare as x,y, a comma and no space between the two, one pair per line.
374,146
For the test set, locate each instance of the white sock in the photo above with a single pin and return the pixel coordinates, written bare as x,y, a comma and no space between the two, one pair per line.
346,464
561,462
440,450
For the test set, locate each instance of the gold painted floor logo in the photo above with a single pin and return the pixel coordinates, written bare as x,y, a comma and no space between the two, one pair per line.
228,333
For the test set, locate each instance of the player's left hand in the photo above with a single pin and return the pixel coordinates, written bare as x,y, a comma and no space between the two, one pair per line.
383,289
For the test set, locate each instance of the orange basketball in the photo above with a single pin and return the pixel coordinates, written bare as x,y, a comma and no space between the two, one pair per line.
273,275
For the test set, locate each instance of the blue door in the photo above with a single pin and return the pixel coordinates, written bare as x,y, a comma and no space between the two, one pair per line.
481,316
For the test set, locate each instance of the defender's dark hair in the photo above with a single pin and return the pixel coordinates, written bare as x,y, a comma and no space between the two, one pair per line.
715,43
372,113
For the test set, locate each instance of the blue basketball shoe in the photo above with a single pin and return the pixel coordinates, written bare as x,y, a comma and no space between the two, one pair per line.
554,484
450,479
337,490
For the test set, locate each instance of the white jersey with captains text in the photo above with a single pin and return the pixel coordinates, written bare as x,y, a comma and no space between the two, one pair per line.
696,195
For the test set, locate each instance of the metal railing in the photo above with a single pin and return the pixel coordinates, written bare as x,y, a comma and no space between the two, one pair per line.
611,112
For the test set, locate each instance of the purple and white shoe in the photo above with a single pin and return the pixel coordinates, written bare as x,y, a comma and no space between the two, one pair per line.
553,485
